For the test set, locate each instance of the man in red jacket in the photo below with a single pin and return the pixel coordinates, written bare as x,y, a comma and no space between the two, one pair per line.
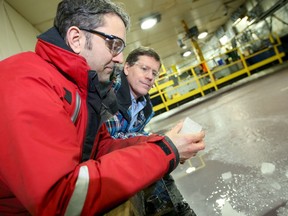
56,158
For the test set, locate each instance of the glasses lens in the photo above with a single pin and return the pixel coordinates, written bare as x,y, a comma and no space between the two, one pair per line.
115,45
146,69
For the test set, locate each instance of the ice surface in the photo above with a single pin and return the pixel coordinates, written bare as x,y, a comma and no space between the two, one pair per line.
267,168
228,140
190,126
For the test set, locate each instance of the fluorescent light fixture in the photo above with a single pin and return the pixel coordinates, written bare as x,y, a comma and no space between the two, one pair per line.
202,35
184,46
186,53
149,22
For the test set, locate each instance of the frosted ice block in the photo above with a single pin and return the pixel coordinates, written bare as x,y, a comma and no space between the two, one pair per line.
190,126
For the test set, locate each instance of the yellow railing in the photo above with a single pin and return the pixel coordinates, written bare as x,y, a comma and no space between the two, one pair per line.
201,79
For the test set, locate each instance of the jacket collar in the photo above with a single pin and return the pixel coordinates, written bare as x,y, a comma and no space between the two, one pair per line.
123,94
52,48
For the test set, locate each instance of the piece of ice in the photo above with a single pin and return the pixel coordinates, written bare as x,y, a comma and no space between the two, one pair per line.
190,126
226,176
276,185
190,170
229,211
267,168
286,173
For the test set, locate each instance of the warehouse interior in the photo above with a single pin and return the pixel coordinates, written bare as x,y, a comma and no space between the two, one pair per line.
233,83
243,170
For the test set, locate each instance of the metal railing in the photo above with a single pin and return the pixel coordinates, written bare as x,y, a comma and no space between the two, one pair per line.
199,80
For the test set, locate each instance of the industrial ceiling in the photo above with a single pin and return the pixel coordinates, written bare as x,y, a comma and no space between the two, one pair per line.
207,15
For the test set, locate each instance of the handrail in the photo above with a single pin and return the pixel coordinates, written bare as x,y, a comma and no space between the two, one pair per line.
199,82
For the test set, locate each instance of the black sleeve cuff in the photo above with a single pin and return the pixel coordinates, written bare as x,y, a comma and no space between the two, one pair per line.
168,146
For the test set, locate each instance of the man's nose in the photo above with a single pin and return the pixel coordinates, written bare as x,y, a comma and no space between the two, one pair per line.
118,58
150,75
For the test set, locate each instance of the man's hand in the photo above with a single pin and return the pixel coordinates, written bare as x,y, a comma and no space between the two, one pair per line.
187,144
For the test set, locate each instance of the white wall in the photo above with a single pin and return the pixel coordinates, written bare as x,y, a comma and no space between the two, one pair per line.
17,34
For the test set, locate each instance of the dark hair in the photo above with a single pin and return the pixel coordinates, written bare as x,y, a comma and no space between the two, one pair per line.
86,14
142,51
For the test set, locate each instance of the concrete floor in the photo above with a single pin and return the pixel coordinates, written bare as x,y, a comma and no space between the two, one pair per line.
246,128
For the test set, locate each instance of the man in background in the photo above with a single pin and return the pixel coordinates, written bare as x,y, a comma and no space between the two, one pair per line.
138,75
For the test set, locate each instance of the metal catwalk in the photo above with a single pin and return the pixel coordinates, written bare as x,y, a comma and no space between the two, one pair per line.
244,168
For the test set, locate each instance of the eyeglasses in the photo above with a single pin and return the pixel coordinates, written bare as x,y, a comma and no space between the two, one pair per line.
145,69
115,44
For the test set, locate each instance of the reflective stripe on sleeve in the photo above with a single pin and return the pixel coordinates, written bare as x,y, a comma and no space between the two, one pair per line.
78,197
77,108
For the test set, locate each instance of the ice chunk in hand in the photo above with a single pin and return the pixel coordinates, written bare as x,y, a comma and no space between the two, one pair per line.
190,126
267,168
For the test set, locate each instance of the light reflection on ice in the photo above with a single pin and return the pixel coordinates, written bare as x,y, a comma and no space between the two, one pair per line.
252,194
220,203
246,142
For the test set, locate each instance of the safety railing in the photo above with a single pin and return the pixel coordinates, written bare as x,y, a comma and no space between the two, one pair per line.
181,86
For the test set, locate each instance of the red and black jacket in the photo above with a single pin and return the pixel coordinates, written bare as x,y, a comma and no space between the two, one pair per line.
43,128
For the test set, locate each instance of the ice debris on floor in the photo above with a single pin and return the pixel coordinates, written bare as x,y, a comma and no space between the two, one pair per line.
252,192
226,176
227,210
267,168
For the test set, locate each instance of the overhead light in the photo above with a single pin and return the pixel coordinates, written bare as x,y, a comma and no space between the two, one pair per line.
183,46
149,22
202,35
186,53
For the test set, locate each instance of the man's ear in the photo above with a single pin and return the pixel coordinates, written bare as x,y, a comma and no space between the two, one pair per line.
74,38
126,68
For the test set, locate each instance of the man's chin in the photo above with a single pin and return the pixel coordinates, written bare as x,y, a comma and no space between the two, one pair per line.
144,92
105,78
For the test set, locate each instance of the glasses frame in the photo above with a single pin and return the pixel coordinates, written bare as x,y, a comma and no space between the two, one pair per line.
147,69
107,38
